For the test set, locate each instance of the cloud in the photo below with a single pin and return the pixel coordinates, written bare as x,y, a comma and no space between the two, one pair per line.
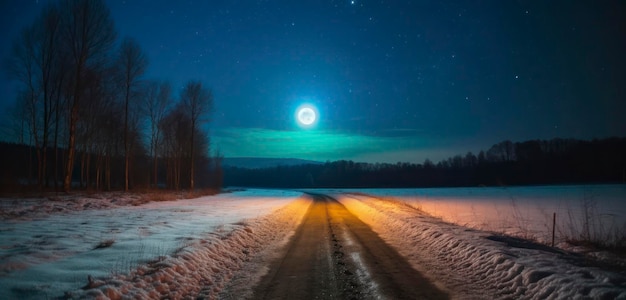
395,145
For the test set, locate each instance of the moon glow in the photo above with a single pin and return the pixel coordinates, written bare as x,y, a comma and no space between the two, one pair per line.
306,116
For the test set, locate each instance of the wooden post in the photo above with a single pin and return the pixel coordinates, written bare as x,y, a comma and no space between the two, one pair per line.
553,227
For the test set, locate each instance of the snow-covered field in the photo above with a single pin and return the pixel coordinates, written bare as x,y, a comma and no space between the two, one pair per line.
472,264
51,247
583,212
209,246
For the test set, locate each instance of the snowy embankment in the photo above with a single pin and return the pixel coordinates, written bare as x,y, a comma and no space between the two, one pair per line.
587,213
26,209
159,249
473,264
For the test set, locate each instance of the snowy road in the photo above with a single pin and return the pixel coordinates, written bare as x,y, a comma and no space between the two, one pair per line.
334,255
252,244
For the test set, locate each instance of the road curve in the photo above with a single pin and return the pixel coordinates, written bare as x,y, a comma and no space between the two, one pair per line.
334,255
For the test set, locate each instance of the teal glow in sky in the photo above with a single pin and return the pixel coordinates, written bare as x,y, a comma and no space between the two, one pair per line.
323,145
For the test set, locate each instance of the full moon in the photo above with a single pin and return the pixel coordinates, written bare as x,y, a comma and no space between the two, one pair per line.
306,116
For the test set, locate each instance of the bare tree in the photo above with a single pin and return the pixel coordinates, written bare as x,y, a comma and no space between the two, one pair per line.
106,119
88,131
198,103
131,64
22,66
50,62
69,88
38,64
112,130
503,151
175,128
158,99
88,33
35,64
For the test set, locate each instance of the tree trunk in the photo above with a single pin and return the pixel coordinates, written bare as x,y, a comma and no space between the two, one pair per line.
126,174
44,142
56,166
107,171
155,171
191,171
44,168
56,150
126,145
82,168
177,168
98,169
67,182
88,170
30,162
168,182
39,167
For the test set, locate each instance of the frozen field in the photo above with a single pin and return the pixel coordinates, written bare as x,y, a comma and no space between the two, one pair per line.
44,256
206,247
587,212
474,264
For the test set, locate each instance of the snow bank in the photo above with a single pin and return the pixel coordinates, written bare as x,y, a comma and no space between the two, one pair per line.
26,209
43,255
204,268
595,213
472,264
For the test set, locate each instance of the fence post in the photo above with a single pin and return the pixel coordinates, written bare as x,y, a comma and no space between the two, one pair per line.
553,226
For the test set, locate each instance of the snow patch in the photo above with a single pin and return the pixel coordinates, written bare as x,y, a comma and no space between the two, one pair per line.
472,266
203,269
42,256
590,212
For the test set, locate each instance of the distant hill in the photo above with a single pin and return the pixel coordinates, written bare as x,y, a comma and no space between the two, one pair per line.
264,162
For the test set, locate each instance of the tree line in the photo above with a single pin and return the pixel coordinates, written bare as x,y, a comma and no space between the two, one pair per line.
556,161
84,106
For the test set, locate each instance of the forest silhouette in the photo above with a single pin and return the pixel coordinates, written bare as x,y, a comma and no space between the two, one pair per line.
533,162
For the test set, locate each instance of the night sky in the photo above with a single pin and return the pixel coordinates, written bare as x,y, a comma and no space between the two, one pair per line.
391,80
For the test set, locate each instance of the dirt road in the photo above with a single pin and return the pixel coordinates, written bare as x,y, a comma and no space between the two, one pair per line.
334,255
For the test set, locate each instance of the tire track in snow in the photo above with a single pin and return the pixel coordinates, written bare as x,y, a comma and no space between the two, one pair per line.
334,255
